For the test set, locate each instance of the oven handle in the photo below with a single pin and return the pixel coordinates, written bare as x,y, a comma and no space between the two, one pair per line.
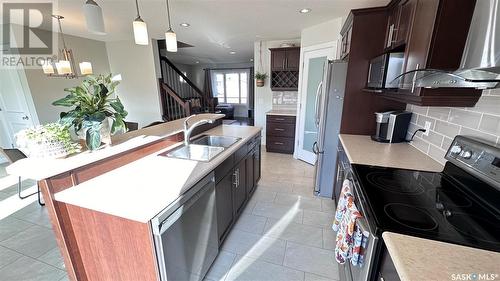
357,190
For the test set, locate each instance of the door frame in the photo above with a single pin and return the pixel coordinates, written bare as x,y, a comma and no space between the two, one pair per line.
331,47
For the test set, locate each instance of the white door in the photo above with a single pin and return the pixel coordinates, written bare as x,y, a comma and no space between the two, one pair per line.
315,61
14,110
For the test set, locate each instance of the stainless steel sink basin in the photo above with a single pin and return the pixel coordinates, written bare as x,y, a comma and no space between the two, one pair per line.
216,141
195,152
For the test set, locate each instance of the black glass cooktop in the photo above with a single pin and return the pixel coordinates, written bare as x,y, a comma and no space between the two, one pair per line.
432,205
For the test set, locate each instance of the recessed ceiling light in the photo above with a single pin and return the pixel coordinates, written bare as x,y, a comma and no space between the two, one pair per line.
305,11
232,52
251,59
185,24
197,61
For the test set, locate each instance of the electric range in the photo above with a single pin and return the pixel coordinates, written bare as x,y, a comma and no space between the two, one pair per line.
460,205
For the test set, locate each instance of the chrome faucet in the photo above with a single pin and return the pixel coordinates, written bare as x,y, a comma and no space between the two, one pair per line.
189,130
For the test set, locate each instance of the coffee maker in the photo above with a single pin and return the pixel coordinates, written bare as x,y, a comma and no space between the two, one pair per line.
392,126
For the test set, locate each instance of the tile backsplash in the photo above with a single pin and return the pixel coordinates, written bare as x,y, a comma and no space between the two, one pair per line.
285,99
481,121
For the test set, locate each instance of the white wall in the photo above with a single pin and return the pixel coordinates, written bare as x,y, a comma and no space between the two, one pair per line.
44,90
139,88
321,33
264,95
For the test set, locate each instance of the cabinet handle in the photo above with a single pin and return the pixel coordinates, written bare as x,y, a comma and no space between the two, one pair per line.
414,80
389,37
235,178
278,143
286,62
283,64
238,179
278,129
280,119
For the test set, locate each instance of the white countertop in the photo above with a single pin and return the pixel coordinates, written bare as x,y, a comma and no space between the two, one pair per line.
363,150
418,259
140,190
42,168
282,112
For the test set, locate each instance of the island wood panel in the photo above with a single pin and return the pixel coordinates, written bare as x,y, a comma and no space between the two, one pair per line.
75,226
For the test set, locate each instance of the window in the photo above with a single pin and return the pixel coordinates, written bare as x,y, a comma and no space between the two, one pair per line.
231,85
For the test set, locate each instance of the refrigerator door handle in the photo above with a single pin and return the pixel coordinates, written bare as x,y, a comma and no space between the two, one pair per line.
316,104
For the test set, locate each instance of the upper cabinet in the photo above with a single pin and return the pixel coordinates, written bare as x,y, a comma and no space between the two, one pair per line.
345,45
432,34
399,23
285,63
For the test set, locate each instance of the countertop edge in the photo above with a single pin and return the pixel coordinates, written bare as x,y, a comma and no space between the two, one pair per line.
188,184
417,258
123,143
282,112
430,165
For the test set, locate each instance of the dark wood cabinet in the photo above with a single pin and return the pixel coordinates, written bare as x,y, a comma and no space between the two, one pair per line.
236,179
436,32
387,271
399,23
345,45
285,59
278,59
239,187
256,163
292,59
224,201
250,166
285,63
405,18
280,134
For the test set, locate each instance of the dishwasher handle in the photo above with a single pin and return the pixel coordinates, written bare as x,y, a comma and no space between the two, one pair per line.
170,220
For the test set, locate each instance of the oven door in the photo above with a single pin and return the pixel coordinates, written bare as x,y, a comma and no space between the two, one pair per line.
364,271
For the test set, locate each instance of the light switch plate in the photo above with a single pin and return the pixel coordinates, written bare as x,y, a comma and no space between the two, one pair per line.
427,128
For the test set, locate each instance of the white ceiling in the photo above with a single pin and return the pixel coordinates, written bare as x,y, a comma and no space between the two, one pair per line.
217,26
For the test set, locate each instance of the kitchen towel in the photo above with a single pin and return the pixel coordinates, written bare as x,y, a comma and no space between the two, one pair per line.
345,224
341,205
358,249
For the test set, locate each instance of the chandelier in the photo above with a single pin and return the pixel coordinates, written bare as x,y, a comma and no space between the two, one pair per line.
65,65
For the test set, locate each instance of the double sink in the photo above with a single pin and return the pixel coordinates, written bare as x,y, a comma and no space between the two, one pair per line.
203,148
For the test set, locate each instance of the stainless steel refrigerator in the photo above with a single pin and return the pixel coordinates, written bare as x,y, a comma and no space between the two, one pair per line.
328,113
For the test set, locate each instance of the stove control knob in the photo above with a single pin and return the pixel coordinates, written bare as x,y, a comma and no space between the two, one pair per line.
467,154
456,149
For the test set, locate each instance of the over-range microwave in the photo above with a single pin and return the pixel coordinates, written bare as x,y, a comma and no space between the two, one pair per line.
384,69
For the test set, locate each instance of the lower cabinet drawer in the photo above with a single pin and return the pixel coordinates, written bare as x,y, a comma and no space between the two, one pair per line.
279,144
281,130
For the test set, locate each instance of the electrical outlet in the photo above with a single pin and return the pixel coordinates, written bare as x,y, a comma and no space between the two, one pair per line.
427,128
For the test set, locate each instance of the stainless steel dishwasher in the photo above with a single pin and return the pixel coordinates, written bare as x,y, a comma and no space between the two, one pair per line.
185,234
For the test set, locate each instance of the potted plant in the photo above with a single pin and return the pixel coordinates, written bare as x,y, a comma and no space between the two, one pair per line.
260,79
94,107
51,140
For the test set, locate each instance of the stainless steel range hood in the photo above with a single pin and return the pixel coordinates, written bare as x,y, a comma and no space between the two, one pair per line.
480,65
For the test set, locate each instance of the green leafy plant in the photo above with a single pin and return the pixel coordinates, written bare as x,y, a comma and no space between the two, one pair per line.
93,102
44,135
260,76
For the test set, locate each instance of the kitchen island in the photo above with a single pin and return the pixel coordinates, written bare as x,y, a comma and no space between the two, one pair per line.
101,211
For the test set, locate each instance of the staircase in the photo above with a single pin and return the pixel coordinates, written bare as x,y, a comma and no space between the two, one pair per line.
179,96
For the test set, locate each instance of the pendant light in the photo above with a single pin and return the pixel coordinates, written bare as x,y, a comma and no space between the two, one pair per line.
94,17
140,29
65,66
170,37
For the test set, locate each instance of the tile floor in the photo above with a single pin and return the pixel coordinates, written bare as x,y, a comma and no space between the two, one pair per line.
283,234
